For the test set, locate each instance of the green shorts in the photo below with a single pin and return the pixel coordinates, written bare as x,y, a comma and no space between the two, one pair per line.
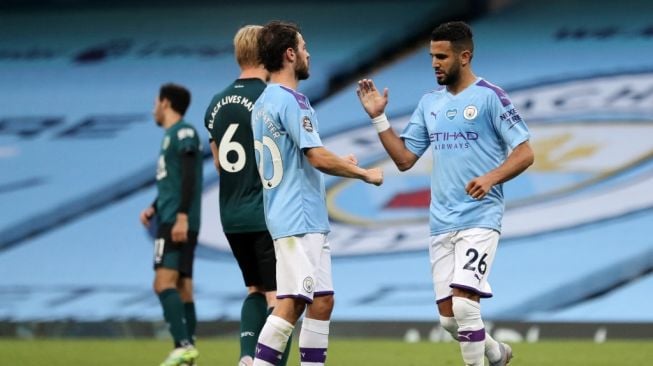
172,255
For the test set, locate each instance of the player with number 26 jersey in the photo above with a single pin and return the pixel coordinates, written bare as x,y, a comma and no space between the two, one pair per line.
298,195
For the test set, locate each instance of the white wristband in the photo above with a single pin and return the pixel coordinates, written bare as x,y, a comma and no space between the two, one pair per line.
381,123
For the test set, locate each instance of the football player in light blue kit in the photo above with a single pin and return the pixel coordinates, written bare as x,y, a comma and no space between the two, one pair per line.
478,141
291,161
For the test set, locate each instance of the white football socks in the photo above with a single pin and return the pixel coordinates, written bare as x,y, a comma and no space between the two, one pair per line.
471,331
313,342
272,341
492,350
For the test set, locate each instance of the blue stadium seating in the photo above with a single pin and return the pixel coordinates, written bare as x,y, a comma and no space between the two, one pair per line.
77,147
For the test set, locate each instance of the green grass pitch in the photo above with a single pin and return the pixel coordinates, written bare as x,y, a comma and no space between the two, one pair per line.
342,352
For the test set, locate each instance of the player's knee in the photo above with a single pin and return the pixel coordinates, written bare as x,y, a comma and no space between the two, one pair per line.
271,298
465,310
159,287
255,289
326,302
185,288
161,284
449,324
458,292
186,294
445,307
322,307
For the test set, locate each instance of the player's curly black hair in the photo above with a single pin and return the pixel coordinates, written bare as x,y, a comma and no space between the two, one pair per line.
458,33
178,96
275,38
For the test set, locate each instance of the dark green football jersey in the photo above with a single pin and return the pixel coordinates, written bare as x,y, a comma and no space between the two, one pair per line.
180,138
228,120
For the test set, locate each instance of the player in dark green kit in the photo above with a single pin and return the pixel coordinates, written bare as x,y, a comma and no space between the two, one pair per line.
177,209
228,120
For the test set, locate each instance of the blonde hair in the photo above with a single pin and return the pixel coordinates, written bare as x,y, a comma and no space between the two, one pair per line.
246,47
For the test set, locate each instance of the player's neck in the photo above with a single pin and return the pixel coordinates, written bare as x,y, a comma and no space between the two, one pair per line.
285,77
170,119
254,72
466,79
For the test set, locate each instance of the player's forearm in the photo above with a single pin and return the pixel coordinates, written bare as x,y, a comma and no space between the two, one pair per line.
396,149
329,163
517,162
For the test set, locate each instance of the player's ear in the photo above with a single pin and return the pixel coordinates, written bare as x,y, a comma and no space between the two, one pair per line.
465,57
290,54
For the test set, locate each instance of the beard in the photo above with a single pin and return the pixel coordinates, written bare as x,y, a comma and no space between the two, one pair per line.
451,77
301,70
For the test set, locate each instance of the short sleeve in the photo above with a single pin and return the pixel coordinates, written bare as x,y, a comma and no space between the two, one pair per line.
209,120
416,135
301,123
507,122
187,140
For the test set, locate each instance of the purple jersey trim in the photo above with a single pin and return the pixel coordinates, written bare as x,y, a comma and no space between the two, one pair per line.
267,354
471,335
300,98
503,97
317,355
471,289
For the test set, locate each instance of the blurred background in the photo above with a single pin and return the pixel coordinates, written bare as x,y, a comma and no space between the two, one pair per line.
78,147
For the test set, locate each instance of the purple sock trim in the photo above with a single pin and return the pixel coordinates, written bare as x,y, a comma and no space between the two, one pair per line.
317,355
267,354
471,335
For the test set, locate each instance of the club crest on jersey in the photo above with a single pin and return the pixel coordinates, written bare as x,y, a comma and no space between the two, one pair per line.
470,112
452,113
307,124
308,284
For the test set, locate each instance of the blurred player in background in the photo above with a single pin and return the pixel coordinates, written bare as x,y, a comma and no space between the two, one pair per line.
470,125
228,120
290,156
177,209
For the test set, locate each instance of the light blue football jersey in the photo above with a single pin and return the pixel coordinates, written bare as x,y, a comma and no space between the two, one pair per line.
469,134
284,124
